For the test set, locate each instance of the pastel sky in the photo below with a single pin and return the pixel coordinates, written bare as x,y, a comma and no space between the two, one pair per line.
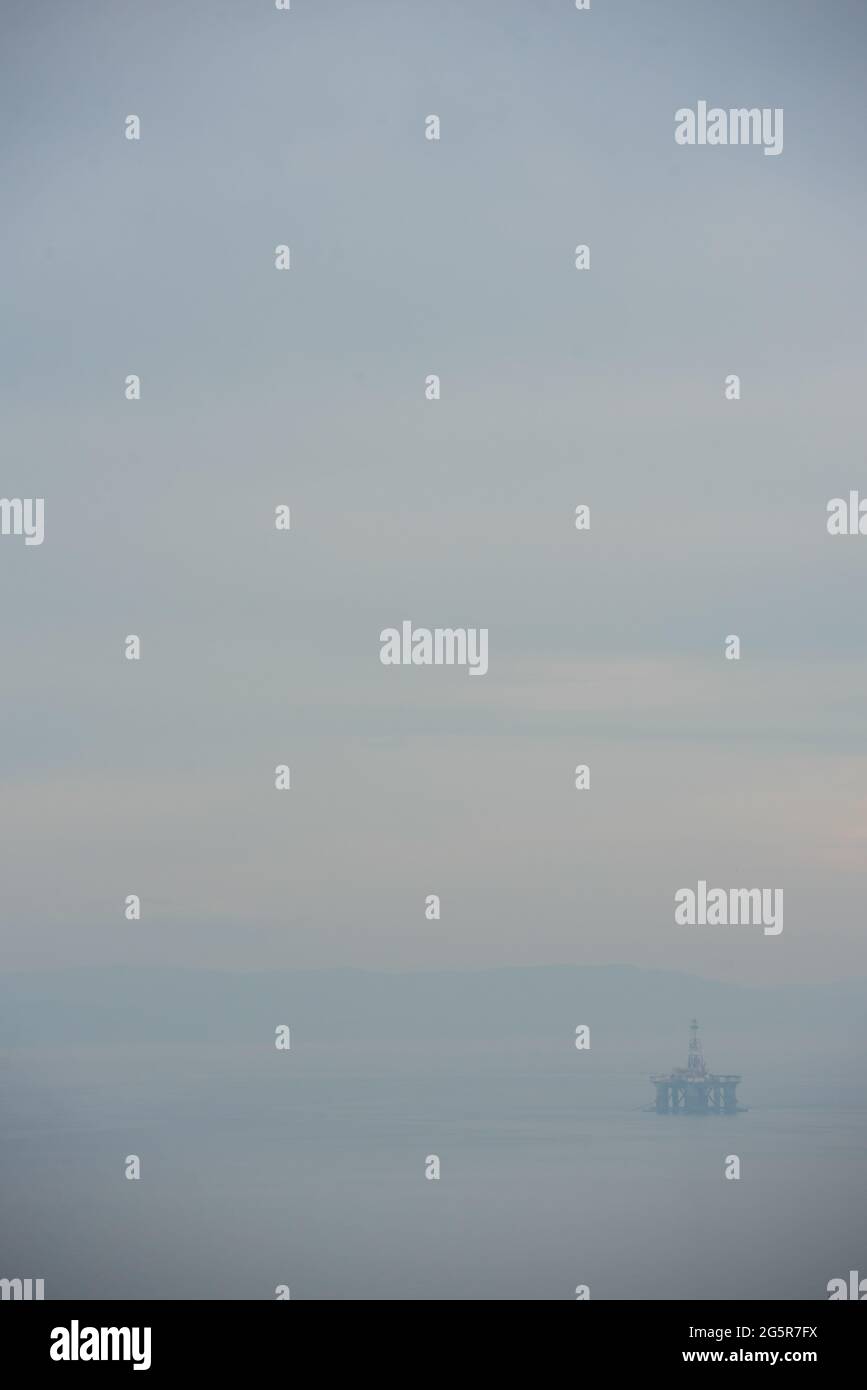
558,387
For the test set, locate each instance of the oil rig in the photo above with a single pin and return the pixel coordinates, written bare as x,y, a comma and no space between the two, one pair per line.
693,1090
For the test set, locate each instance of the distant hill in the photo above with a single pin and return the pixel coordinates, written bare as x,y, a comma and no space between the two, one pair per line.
632,1013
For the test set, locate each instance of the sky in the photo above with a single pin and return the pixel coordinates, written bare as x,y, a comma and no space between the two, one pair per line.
605,387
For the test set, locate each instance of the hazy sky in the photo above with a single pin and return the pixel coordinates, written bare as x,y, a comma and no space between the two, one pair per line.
411,257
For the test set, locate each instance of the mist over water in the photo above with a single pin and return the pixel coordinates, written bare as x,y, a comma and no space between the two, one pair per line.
306,1168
